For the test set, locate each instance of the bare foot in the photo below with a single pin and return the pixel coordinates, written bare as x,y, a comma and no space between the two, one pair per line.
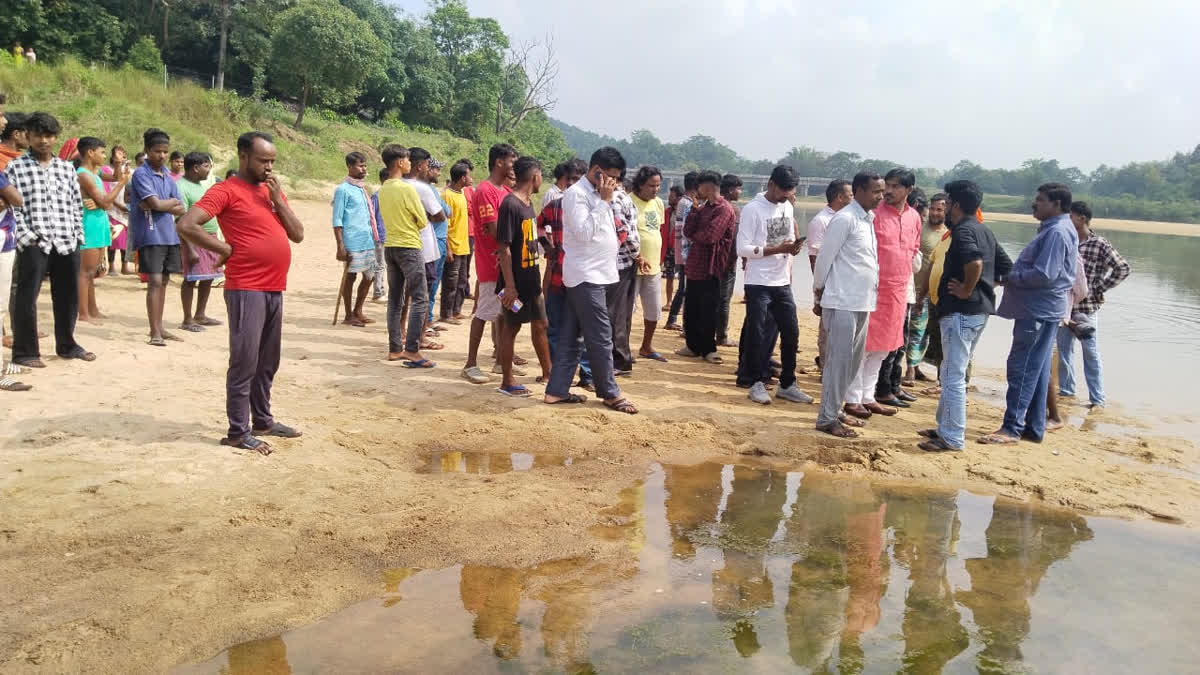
95,321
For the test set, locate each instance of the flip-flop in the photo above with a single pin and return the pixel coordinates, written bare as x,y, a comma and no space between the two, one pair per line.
571,398
78,353
192,327
849,421
13,369
278,430
518,361
9,384
928,433
433,346
622,405
518,390
937,445
655,356
998,439
30,363
419,363
156,342
209,322
171,336
248,442
838,430
357,323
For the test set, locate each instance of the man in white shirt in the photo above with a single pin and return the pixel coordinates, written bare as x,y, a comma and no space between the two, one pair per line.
418,177
846,283
767,240
837,196
562,179
589,266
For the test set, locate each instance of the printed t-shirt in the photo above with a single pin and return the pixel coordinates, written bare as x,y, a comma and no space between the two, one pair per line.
191,193
7,220
487,208
650,217
456,231
403,215
262,253
152,228
516,229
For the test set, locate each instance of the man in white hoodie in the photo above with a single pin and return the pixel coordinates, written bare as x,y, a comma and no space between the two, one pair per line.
767,240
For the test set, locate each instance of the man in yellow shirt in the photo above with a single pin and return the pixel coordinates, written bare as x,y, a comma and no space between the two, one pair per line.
458,245
403,217
650,214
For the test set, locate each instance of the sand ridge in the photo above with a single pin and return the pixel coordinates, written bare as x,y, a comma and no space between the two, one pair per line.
139,543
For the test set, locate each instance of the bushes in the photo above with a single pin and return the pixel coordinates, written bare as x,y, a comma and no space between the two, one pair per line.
143,55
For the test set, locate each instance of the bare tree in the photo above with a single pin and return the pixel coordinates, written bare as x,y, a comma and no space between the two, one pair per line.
528,84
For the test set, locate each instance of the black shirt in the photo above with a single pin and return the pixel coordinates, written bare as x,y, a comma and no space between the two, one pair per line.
516,229
971,240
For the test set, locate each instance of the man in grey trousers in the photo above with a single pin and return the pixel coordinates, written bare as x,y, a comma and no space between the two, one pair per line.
846,284
258,224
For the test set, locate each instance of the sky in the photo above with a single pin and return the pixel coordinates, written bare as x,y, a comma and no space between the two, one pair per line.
923,82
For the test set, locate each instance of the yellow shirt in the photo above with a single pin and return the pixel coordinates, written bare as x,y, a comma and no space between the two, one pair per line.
649,223
937,260
402,213
456,230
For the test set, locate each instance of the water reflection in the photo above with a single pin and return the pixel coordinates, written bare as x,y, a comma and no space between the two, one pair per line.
720,567
459,461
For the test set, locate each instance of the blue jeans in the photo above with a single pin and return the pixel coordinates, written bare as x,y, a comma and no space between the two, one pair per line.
555,306
1093,369
440,266
960,334
1028,377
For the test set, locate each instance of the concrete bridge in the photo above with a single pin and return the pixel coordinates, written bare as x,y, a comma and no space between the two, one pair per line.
752,183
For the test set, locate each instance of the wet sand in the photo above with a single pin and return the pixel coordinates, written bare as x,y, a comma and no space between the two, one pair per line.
139,543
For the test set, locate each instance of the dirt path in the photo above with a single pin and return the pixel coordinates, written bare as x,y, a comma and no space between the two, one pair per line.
133,542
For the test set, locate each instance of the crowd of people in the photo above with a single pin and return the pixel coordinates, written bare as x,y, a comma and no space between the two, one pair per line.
898,279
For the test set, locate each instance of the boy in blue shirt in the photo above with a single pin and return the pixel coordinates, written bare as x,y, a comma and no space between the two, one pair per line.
355,229
154,203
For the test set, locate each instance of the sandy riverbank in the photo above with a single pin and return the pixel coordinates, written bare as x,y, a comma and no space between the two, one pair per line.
133,542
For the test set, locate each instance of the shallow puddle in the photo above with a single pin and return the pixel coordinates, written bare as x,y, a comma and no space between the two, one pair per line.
734,568
490,462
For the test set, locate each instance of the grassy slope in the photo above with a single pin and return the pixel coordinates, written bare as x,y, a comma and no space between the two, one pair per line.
118,105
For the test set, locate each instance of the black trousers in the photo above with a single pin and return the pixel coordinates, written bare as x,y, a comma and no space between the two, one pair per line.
677,301
32,265
700,315
770,314
891,371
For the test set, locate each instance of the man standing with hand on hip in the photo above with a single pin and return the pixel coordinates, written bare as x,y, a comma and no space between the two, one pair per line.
257,224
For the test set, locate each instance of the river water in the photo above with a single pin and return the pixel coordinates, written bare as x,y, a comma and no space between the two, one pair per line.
754,568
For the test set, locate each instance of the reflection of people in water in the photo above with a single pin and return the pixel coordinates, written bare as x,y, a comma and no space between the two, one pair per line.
259,657
693,495
926,532
1021,546
742,587
865,565
493,595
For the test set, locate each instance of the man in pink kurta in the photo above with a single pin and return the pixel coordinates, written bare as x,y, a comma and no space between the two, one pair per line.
898,241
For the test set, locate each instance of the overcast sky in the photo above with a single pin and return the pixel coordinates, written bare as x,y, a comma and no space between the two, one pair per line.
924,82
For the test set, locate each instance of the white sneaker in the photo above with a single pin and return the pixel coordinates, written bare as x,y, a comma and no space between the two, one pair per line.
758,393
794,394
518,371
475,376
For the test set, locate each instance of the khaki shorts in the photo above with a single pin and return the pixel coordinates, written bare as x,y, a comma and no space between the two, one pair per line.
487,305
652,300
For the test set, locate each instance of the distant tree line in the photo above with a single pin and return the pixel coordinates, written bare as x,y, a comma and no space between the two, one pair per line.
1166,190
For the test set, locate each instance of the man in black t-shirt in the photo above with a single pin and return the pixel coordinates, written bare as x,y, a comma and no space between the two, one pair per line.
520,281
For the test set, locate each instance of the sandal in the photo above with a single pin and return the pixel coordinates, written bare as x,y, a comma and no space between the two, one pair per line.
518,361
191,327
78,353
14,369
31,362
419,363
713,357
248,442
156,342
206,321
167,335
928,433
518,390
937,445
839,430
9,384
998,439
432,346
571,398
654,356
278,430
622,405
849,421
354,321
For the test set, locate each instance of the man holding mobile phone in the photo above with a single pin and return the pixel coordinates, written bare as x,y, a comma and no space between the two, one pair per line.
767,240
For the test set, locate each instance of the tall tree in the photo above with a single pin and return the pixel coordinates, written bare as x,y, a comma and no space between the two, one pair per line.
528,85
321,50
473,48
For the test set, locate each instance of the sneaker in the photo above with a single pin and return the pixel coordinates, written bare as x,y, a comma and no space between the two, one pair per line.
794,394
758,393
517,370
475,376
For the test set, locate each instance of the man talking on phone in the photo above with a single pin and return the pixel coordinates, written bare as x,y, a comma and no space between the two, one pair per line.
589,265
767,240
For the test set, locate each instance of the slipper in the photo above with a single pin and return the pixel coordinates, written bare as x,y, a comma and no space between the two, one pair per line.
14,369
713,357
518,390
419,363
247,442
908,382
998,439
33,362
571,398
366,319
192,327
209,322
432,346
518,361
353,321
849,421
171,336
78,353
9,384
587,386
838,430
278,430
156,342
655,356
622,405
684,351
928,433
932,391
937,445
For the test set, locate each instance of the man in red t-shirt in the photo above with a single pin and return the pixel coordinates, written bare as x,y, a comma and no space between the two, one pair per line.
257,223
485,205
